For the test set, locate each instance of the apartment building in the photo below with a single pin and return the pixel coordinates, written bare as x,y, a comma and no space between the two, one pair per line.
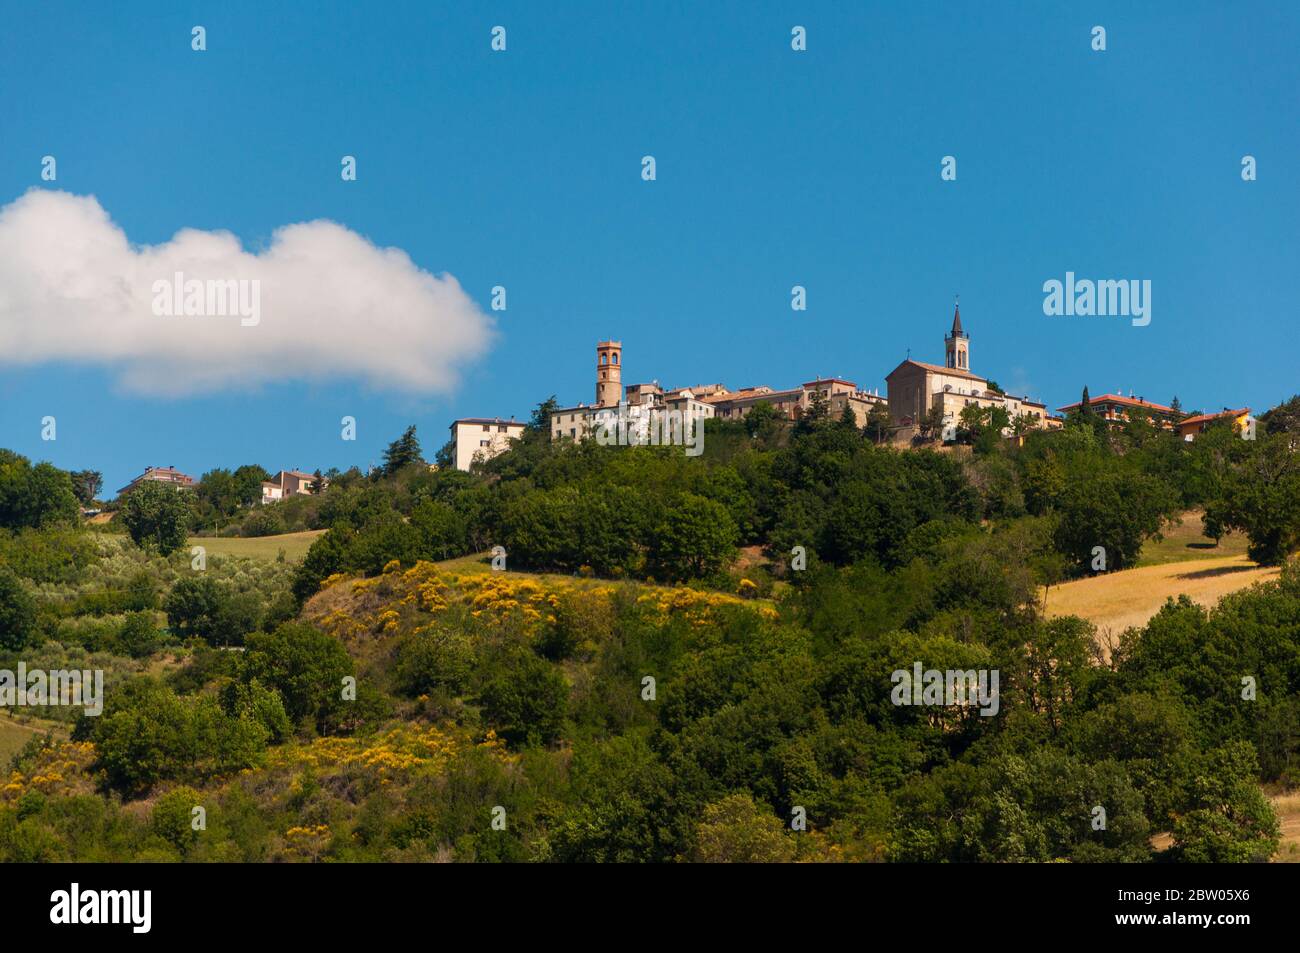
481,438
1118,409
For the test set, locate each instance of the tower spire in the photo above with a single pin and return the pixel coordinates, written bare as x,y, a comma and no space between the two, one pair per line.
956,345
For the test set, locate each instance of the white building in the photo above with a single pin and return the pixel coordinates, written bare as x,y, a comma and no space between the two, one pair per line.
481,438
287,483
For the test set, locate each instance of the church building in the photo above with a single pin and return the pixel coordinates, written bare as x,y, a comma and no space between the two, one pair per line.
915,388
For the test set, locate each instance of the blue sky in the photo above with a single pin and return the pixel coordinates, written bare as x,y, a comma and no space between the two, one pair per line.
775,168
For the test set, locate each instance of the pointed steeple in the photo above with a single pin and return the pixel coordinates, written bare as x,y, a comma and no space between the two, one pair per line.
956,345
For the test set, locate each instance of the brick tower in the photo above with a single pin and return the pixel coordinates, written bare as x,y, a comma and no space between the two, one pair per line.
609,373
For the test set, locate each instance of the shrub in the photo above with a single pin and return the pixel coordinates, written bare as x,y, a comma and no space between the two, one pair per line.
17,613
266,521
139,636
526,700
306,667
431,660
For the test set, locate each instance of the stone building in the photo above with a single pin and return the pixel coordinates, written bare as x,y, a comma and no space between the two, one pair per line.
916,388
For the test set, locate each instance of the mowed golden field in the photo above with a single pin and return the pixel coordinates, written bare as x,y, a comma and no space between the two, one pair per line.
293,545
1183,563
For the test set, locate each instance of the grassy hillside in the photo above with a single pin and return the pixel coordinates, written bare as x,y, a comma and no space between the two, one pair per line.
1187,541
1115,601
294,546
16,732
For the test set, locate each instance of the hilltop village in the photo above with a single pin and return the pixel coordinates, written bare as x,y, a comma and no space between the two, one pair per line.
922,401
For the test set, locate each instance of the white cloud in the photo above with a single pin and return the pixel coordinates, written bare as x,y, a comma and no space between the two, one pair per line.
332,305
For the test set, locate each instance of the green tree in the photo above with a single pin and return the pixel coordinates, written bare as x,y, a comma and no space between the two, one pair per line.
156,516
696,538
402,452
879,423
816,413
331,553
1023,424
1284,418
540,421
86,484
735,830
1228,820
193,605
761,416
217,492
432,660
148,734
172,817
931,423
526,699
441,528
1043,481
1115,511
34,496
307,667
18,628
445,458
199,606
1261,497
138,637
253,700
248,481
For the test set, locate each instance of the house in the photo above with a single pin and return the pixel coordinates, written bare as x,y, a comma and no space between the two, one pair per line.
287,483
1241,421
481,438
169,475
1118,409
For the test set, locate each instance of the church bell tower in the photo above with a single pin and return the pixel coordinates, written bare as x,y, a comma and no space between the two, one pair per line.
609,373
956,344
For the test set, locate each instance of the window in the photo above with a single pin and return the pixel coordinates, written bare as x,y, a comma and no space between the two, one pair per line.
501,428
486,428
482,443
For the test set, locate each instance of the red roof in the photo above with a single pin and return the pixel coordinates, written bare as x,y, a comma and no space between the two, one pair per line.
830,380
1123,401
161,475
1206,418
937,369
